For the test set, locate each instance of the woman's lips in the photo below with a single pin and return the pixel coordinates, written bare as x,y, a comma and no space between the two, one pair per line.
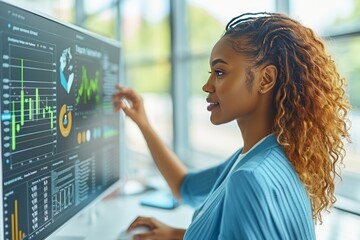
212,106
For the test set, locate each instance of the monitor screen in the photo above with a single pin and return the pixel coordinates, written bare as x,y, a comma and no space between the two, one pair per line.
59,133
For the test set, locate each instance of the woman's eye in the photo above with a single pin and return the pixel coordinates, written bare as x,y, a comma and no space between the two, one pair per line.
219,73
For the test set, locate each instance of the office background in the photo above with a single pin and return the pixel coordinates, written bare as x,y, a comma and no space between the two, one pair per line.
166,47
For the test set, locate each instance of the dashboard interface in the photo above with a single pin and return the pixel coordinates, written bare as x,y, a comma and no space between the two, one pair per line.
59,133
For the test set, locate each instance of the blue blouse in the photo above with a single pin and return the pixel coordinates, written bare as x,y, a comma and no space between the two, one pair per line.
262,198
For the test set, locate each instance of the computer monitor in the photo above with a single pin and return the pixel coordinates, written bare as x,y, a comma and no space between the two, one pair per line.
59,133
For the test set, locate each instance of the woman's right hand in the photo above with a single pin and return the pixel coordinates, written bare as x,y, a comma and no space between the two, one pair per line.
166,160
131,103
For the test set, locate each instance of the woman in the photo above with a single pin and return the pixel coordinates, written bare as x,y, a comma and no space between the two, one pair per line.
274,77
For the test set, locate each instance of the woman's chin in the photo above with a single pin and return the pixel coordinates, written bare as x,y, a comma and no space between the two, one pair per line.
215,121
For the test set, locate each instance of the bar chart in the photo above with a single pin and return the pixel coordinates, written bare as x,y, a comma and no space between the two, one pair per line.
30,106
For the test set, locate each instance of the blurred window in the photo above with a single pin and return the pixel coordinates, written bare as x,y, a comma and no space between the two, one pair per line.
326,16
206,24
103,22
60,9
146,44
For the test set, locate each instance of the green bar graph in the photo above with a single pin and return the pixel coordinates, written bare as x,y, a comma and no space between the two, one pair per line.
30,108
22,94
13,127
51,112
36,101
43,113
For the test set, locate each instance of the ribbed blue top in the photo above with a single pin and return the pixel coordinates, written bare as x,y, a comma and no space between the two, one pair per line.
262,198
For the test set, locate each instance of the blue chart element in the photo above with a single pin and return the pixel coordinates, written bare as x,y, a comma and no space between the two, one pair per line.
66,70
5,117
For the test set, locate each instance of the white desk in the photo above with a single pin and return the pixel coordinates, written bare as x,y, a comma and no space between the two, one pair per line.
115,214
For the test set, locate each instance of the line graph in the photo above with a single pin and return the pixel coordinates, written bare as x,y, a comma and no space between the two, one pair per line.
89,88
29,115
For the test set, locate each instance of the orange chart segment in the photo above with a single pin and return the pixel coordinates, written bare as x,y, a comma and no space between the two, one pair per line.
65,121
16,234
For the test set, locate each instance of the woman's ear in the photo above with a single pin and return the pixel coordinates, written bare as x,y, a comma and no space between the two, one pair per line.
269,75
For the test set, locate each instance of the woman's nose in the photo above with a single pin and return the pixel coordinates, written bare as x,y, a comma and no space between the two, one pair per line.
208,87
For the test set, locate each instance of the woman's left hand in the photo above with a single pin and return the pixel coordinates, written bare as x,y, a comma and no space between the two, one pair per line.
158,230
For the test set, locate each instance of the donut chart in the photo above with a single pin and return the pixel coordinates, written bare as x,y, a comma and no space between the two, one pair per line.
65,121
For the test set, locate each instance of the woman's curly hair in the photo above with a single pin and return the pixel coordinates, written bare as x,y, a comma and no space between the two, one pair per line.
311,105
